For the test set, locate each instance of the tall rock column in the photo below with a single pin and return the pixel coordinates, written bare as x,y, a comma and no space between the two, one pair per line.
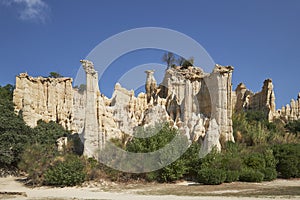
91,131
220,88
150,85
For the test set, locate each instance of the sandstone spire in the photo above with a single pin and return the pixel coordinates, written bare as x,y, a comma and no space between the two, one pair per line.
91,133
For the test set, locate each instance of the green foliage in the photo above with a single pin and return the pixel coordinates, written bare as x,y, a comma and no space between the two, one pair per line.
36,159
211,176
293,127
255,161
68,171
288,160
270,173
174,171
141,143
54,75
252,128
232,176
48,133
164,135
45,165
6,92
251,175
256,116
14,133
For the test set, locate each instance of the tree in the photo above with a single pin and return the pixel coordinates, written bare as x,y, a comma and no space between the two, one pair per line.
14,133
54,75
185,62
293,126
48,133
169,58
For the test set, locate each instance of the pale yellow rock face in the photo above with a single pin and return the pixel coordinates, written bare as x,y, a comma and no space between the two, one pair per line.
49,99
198,104
290,111
262,101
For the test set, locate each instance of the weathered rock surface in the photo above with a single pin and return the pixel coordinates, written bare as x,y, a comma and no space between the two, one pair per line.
264,100
49,99
290,111
211,140
197,103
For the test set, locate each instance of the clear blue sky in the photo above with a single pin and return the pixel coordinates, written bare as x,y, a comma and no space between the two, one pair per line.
260,38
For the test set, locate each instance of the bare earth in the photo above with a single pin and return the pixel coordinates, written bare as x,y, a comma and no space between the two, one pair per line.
13,188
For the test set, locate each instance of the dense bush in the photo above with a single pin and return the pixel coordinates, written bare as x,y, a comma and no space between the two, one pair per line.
252,128
232,176
288,160
160,137
14,133
293,127
48,133
66,171
251,175
35,160
269,173
255,161
211,176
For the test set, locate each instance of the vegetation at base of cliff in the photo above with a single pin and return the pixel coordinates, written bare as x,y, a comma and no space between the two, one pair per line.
15,135
263,151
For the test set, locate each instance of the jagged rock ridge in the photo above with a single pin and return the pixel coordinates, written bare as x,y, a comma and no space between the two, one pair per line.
198,104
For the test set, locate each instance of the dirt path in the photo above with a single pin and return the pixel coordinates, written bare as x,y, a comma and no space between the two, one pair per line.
12,189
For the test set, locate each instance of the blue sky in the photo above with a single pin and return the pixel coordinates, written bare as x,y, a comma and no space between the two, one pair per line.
260,38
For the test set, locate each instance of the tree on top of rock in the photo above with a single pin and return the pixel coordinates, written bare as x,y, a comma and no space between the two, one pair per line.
54,75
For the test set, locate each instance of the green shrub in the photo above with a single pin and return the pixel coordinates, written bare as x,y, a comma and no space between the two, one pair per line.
287,168
14,133
251,175
68,171
270,158
174,171
269,174
48,133
255,161
288,160
232,176
210,176
160,136
293,127
35,160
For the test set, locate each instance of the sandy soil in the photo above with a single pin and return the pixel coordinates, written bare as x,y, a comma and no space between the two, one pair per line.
11,188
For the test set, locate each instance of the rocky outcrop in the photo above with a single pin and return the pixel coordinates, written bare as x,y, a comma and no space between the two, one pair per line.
191,92
48,99
264,100
93,139
290,111
198,104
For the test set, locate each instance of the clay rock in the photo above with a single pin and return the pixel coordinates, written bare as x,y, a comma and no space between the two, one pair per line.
260,101
211,139
48,99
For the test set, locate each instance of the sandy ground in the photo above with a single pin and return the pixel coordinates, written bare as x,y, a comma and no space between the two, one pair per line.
10,185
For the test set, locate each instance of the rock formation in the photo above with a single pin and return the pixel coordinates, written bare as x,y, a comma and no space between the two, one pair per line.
198,104
290,111
244,99
49,99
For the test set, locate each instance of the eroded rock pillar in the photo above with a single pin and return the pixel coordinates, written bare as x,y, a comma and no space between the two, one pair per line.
91,132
